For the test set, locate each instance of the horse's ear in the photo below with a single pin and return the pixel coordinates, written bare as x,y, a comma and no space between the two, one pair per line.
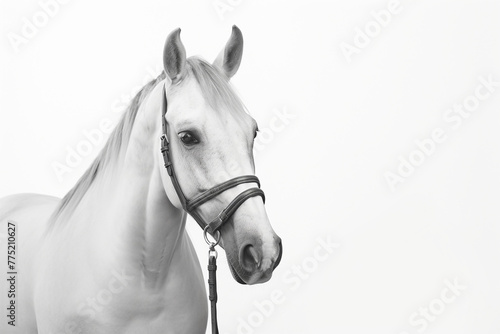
229,58
174,57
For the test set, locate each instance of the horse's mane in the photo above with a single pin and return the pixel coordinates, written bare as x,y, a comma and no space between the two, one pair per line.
215,89
115,145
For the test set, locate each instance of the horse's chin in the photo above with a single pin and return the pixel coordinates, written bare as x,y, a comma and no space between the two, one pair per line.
232,268
250,279
236,277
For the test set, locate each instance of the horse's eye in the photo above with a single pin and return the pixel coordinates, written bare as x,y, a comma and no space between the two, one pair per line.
188,138
256,132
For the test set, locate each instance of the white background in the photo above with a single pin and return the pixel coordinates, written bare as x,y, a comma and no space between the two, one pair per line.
323,173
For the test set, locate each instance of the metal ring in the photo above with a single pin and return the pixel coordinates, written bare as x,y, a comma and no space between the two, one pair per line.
205,235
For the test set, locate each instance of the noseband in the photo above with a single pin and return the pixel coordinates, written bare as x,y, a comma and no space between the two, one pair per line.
190,205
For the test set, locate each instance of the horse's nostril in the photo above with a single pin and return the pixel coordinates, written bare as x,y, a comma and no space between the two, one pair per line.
250,259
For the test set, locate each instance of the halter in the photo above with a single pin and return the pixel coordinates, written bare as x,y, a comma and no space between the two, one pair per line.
190,205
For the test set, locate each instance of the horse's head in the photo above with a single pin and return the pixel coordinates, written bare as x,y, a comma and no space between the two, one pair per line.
210,141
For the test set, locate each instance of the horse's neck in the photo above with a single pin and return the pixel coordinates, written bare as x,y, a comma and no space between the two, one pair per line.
144,226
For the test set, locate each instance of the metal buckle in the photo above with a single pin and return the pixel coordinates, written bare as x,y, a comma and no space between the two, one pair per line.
164,141
212,253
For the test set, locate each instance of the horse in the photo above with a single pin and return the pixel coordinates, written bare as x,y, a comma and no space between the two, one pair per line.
113,255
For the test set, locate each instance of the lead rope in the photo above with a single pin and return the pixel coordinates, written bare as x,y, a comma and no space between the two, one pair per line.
212,278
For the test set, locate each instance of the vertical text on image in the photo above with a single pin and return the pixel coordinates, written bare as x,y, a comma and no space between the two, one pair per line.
11,272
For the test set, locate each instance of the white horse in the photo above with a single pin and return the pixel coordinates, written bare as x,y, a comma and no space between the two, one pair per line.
113,255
